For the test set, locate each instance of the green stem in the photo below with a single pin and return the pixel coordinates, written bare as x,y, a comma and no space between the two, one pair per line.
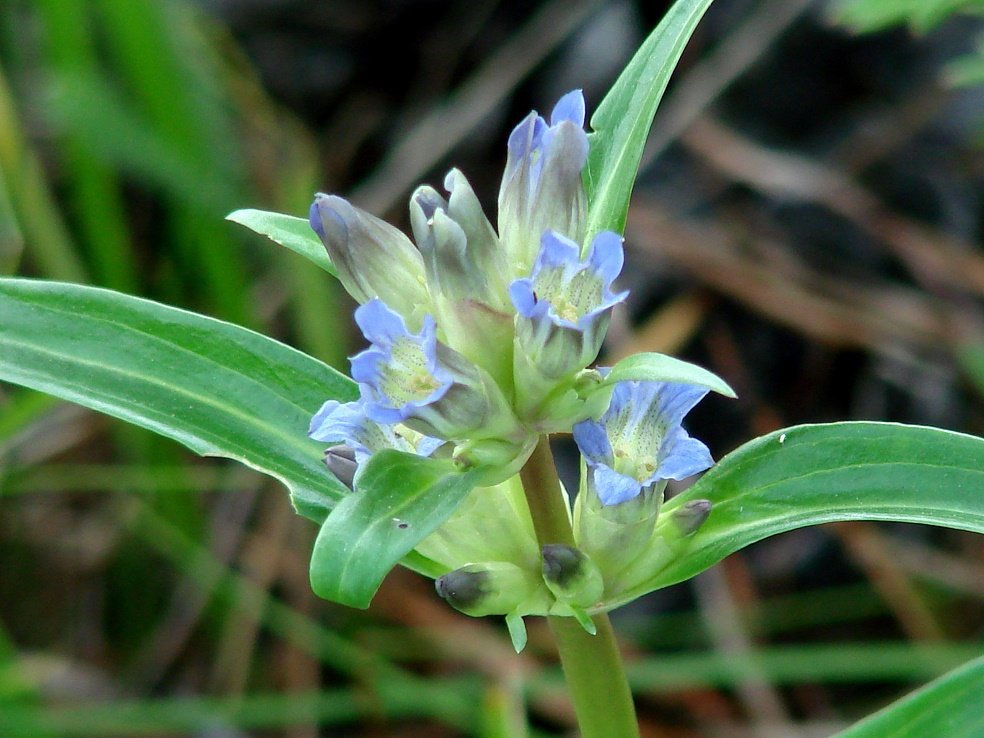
592,663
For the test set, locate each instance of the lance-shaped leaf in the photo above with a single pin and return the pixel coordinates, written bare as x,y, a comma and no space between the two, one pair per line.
812,474
400,499
951,704
287,230
621,123
217,388
654,367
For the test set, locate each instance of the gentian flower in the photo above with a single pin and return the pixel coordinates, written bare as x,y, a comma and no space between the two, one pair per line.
564,308
417,380
541,186
347,424
639,443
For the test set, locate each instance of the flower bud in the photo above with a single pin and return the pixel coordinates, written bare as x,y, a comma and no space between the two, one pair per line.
542,188
689,517
373,259
466,273
671,538
462,256
496,588
340,460
571,575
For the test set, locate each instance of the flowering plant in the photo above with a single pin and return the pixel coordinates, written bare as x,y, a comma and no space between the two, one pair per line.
483,342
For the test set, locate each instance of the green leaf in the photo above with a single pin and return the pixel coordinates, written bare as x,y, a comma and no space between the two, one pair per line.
622,121
653,367
287,230
401,498
954,701
217,388
812,474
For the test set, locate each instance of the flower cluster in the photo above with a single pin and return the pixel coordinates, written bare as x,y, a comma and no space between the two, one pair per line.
478,335
481,339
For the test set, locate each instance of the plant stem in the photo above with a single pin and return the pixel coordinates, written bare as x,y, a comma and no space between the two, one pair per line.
592,664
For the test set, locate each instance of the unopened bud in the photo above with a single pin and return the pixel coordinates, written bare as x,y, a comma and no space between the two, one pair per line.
691,516
373,258
571,575
495,588
340,460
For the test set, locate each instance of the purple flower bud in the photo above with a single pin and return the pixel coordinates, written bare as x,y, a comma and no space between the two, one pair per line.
373,258
541,186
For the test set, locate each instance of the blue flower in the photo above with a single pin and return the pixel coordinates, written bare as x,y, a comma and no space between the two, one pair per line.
417,380
565,304
541,187
356,438
639,442
347,423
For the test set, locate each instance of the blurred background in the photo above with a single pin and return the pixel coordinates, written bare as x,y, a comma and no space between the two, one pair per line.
807,225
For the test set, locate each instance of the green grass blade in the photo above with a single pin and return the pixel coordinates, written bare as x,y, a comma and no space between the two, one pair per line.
217,388
621,123
49,245
95,191
454,700
11,239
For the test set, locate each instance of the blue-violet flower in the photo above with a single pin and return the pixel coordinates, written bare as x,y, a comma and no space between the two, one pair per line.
417,380
639,442
564,308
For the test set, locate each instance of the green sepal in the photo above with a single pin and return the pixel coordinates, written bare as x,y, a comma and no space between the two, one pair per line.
654,367
517,630
286,230
584,620
400,499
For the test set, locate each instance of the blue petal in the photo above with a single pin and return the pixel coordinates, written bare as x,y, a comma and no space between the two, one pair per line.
614,488
570,107
687,457
344,423
606,256
348,423
379,324
523,298
592,439
556,252
314,218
